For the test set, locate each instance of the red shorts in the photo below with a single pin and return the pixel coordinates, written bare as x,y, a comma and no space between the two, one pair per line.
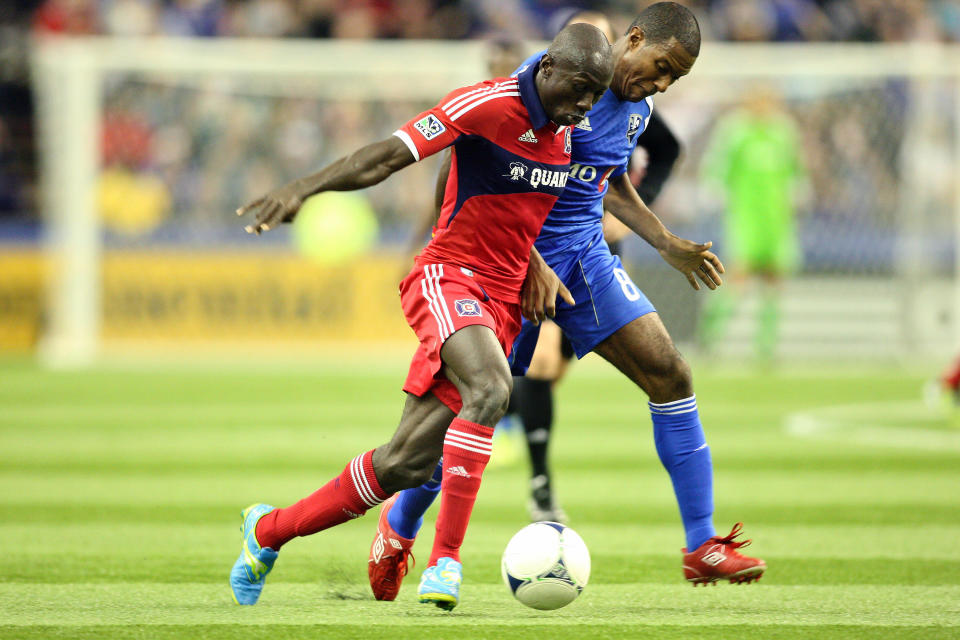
437,300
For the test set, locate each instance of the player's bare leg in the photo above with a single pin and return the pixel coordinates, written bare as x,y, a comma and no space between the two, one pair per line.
410,452
406,461
474,361
644,352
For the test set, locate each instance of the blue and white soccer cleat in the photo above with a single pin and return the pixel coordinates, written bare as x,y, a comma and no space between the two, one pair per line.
440,584
255,562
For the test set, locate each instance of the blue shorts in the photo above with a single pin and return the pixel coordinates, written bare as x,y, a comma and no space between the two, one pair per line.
606,300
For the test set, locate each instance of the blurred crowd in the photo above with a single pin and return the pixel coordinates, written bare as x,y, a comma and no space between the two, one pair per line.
861,20
192,152
217,146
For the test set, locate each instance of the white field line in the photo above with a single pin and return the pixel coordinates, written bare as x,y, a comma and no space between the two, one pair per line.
859,423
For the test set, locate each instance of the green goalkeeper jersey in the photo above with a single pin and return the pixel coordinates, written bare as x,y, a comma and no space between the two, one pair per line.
757,160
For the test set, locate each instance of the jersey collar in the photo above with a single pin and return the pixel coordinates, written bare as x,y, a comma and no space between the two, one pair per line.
530,97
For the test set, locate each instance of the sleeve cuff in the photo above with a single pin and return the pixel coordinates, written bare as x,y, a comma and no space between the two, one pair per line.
407,140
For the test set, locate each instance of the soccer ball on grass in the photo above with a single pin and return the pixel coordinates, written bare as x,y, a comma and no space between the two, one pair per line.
546,565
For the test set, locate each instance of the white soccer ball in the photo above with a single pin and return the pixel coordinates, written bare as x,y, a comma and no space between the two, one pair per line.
546,565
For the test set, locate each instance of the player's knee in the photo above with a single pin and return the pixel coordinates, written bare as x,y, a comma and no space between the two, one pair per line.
486,400
682,377
673,379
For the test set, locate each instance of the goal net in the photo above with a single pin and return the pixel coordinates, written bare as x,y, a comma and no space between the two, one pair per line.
148,147
876,202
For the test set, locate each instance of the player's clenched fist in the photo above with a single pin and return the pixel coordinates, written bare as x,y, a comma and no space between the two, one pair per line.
277,206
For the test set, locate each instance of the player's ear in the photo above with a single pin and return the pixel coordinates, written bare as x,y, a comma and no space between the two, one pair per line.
546,65
636,37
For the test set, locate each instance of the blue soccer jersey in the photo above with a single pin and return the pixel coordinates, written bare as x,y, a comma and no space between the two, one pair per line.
571,240
602,145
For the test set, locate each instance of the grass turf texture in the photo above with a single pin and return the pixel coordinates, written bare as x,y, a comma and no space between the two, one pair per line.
120,492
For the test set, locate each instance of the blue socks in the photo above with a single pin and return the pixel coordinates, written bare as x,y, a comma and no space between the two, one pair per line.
682,448
685,455
406,516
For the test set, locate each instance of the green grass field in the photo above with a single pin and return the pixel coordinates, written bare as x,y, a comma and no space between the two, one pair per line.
120,493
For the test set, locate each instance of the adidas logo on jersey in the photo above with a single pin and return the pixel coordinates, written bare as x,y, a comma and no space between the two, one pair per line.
528,137
585,124
458,471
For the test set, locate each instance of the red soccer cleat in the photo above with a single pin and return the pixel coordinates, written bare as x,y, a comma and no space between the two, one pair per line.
718,559
388,557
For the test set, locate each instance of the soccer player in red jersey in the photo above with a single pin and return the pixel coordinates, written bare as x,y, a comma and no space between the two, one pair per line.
612,316
511,157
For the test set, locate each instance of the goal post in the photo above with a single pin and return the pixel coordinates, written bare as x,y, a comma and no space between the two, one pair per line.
67,85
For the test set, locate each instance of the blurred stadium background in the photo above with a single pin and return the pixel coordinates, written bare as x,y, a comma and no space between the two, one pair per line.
212,368
131,129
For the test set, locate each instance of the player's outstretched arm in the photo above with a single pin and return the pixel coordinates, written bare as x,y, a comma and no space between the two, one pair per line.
663,149
692,259
538,297
363,168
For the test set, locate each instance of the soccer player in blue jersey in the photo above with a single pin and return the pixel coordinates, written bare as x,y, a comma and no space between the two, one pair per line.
611,316
532,397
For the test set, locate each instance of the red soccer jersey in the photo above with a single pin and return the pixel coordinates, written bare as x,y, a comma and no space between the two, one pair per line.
508,168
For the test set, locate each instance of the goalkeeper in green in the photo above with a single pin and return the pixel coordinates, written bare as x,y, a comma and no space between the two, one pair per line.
754,157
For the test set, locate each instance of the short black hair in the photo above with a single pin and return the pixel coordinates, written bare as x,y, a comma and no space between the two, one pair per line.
662,21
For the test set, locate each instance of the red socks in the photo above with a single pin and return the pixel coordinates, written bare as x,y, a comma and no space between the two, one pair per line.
347,496
466,450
